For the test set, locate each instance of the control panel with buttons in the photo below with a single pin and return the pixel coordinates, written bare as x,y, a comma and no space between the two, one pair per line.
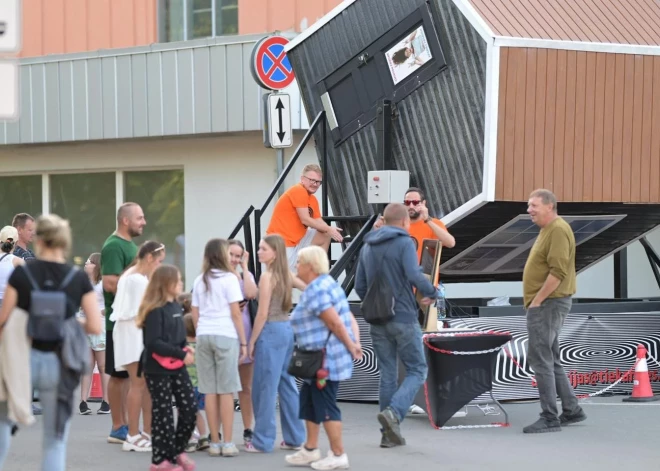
387,186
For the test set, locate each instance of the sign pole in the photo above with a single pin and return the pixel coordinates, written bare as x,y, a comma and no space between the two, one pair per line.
280,168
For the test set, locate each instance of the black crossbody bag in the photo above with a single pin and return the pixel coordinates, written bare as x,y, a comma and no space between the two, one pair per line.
305,364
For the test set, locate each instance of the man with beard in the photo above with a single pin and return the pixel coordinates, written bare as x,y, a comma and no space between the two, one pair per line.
118,252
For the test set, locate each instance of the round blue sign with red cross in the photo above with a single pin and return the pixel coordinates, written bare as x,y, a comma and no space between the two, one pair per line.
270,66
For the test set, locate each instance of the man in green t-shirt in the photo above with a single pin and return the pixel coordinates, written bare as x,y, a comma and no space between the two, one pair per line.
118,252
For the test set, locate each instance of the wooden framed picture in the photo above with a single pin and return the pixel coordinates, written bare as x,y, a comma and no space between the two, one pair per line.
430,262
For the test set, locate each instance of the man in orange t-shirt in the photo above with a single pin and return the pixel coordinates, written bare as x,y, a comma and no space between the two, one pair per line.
421,225
297,217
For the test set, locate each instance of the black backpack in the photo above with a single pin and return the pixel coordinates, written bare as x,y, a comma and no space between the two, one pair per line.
47,309
378,304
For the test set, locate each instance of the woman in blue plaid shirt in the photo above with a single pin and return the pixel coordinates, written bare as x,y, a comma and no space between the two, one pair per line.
323,319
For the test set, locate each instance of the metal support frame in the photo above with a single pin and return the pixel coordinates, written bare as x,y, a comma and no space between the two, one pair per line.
621,274
654,259
384,141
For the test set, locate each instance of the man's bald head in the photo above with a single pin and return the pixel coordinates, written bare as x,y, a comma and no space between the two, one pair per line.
396,214
130,219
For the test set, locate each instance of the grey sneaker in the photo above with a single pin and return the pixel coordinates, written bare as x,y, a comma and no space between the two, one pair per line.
543,426
385,442
390,424
569,419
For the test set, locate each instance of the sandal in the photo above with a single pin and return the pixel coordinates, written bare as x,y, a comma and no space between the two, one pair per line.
137,443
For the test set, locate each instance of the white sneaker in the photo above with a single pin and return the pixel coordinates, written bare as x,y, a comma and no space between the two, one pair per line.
303,457
331,462
229,449
416,410
136,443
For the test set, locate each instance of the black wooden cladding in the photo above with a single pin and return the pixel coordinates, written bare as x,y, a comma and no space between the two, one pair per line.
640,219
438,129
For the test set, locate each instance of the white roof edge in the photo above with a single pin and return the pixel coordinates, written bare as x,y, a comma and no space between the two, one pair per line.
319,24
475,19
612,48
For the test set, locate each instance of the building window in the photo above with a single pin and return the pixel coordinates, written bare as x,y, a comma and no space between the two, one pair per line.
182,20
160,193
88,201
20,194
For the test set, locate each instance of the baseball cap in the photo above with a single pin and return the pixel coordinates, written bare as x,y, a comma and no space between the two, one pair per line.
8,233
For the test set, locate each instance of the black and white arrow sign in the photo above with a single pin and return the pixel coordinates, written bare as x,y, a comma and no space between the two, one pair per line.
10,26
279,120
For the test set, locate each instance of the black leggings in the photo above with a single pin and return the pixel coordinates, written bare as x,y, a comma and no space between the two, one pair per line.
167,443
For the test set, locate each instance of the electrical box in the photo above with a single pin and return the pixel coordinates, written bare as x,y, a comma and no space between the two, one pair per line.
387,186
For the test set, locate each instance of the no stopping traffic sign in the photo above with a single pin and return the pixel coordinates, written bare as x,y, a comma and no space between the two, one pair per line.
270,66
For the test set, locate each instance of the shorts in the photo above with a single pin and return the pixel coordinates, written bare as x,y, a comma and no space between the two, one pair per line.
97,342
217,364
110,358
319,405
199,397
292,252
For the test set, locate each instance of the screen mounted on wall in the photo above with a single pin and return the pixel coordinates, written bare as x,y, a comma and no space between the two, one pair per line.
396,64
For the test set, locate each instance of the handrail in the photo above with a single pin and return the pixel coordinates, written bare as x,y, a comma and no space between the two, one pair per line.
241,222
353,249
244,223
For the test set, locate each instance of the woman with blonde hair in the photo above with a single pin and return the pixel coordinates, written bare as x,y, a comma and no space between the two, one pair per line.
271,346
323,320
164,360
50,269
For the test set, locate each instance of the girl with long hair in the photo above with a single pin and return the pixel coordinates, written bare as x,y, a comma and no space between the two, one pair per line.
239,257
161,319
271,347
127,340
221,342
96,342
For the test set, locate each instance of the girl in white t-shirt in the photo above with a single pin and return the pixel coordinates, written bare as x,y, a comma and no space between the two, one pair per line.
96,342
221,343
128,342
8,261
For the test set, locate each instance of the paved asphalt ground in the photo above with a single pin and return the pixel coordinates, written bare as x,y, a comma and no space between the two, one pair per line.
615,436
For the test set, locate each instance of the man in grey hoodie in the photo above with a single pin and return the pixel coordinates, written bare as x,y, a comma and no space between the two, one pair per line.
390,252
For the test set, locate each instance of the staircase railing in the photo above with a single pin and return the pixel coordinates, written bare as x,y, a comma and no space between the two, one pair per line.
244,223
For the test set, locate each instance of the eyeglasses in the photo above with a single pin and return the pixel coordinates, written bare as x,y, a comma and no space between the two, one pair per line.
314,182
411,202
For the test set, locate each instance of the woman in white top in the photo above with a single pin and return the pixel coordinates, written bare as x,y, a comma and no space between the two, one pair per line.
8,261
221,341
96,342
128,342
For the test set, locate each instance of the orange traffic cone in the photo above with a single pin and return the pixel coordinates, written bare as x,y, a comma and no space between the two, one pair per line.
96,391
642,391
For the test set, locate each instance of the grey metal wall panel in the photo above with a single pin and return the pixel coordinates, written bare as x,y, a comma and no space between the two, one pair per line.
139,95
154,95
95,99
251,95
170,94
202,88
186,91
79,85
124,90
66,101
219,90
109,97
38,96
52,95
235,82
438,131
26,122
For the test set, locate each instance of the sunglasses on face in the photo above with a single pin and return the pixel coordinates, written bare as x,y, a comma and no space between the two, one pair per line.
411,202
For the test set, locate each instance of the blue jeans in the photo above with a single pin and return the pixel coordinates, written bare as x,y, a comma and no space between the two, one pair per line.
272,354
404,341
45,378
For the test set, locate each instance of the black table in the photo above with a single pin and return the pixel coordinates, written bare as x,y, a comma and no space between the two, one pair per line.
454,380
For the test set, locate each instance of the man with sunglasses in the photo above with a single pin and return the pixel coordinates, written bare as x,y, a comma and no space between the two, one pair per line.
297,217
422,226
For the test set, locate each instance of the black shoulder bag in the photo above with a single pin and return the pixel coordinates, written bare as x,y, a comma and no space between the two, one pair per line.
305,364
377,307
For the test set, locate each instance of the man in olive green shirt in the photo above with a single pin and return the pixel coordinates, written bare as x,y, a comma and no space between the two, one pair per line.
548,285
118,252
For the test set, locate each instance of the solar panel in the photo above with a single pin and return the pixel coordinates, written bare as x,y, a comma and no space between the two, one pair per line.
506,250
